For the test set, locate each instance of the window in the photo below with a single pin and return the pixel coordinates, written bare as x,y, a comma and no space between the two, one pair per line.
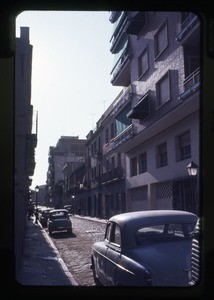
113,162
119,159
99,144
133,166
94,173
113,234
161,39
143,63
112,130
108,232
183,146
163,90
95,147
99,169
143,163
164,233
107,164
106,135
162,155
116,236
112,202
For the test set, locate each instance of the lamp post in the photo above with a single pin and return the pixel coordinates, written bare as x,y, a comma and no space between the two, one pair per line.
36,190
192,169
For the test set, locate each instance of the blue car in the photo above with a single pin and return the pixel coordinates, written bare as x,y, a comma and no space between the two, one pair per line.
145,248
59,220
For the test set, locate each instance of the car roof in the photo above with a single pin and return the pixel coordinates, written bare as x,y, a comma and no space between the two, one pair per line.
131,221
48,209
59,210
153,216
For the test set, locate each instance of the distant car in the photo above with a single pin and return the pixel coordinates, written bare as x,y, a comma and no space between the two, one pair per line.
69,208
144,248
44,215
194,271
59,220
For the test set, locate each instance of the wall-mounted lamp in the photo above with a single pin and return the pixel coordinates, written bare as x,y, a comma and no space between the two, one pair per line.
192,168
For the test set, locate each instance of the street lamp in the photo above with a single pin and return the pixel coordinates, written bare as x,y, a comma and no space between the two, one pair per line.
192,168
36,190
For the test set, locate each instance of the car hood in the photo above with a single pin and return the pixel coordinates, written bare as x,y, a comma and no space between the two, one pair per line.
166,262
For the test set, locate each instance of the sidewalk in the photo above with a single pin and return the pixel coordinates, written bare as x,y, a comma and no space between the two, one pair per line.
42,265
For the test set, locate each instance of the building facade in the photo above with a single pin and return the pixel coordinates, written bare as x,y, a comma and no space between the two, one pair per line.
157,58
25,139
68,150
105,170
137,156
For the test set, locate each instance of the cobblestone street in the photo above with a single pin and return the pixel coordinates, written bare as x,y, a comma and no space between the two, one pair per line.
75,248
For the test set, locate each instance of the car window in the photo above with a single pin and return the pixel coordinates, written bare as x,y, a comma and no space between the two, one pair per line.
164,233
108,232
113,234
116,235
59,214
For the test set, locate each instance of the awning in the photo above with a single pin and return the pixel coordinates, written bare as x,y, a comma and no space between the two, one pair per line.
141,110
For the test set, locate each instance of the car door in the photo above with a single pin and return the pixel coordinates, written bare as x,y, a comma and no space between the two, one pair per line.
113,251
100,258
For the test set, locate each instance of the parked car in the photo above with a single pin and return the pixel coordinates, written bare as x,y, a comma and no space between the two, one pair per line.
144,248
59,220
195,267
69,208
44,215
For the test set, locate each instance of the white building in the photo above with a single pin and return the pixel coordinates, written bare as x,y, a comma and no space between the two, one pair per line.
158,61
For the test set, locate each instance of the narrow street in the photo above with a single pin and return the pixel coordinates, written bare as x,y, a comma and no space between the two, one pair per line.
75,248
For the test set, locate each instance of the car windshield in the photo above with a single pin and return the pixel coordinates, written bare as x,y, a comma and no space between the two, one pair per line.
164,233
59,215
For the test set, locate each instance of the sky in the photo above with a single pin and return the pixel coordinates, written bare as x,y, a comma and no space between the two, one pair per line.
71,82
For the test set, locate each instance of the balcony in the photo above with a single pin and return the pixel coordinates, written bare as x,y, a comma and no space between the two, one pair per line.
125,25
189,30
191,84
112,175
119,33
122,99
135,24
123,137
114,16
121,71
